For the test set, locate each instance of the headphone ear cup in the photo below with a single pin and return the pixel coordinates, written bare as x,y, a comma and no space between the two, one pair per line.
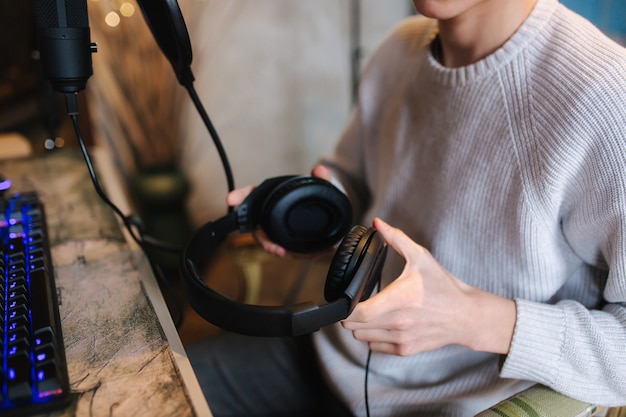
341,269
272,206
306,214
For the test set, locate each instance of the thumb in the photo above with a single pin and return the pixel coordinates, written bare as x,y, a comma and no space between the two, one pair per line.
395,238
236,197
320,171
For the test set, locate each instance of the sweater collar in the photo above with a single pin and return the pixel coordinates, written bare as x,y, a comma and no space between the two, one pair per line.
529,30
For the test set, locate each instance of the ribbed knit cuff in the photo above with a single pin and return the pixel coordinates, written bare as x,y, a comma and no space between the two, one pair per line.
537,343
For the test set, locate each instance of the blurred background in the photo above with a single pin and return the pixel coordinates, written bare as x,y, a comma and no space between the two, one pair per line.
608,15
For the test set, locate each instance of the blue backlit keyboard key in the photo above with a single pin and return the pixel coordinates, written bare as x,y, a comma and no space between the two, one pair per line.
34,376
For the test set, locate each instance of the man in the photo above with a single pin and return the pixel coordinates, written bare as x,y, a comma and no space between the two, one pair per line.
490,136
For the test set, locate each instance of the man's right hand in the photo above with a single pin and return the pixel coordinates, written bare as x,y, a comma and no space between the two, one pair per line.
236,197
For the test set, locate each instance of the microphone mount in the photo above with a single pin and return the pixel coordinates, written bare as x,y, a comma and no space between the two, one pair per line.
64,60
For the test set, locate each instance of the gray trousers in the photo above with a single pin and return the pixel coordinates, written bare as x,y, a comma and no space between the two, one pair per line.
256,376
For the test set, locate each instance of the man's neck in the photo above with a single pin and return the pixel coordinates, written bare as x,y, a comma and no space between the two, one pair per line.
472,36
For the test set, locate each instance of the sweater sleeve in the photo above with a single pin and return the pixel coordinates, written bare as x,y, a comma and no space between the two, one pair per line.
573,347
576,349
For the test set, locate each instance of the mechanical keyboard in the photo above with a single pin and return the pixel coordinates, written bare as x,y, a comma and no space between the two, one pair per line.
34,376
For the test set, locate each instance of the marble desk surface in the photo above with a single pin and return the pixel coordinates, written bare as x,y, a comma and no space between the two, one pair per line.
124,356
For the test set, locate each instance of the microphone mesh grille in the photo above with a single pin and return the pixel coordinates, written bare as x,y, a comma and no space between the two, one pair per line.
46,14
74,13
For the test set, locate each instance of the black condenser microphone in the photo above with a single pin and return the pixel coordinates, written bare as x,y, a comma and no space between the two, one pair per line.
64,43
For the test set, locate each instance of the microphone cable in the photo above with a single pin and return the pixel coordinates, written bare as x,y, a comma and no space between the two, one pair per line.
132,223
65,48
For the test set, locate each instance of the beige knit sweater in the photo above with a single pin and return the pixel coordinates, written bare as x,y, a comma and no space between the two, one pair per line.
512,172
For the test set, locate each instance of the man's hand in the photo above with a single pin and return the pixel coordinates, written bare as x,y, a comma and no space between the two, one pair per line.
236,197
426,307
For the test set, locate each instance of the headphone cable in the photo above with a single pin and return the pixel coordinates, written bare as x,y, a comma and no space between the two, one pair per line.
132,222
367,371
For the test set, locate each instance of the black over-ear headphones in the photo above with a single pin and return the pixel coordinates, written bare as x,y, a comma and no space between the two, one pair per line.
304,215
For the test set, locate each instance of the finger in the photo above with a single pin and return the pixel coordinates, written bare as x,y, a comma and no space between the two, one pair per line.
383,347
373,335
355,325
370,313
395,238
382,308
383,341
236,197
268,245
320,171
